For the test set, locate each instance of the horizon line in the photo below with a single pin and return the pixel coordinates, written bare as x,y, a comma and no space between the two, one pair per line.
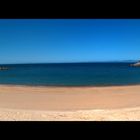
69,62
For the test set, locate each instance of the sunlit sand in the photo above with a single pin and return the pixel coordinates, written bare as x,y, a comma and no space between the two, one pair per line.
69,103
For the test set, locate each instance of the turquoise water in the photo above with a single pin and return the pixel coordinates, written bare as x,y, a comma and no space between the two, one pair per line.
71,74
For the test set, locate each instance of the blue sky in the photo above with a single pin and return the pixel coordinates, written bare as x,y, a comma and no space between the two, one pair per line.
69,40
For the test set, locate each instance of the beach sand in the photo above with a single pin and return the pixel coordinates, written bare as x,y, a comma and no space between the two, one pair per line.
69,103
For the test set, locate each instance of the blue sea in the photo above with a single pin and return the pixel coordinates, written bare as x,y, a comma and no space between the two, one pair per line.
71,74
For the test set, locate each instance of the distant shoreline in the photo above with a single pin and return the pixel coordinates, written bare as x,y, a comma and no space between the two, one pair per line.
71,62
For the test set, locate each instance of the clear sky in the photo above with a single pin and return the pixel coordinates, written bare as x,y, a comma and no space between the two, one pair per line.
69,40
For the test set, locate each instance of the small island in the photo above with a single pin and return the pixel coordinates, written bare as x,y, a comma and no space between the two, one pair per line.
4,68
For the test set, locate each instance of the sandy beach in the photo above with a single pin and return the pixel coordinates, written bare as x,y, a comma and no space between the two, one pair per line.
69,103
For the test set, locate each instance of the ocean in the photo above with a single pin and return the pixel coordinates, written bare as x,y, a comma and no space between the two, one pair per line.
71,74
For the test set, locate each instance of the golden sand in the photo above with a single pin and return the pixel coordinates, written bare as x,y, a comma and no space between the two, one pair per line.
69,103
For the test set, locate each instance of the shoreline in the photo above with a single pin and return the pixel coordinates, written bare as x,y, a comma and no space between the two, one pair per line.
85,86
57,103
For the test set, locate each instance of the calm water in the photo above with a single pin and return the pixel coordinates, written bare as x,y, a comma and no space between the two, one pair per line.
78,74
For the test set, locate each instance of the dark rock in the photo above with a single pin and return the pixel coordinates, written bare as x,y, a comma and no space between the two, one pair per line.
3,68
136,64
